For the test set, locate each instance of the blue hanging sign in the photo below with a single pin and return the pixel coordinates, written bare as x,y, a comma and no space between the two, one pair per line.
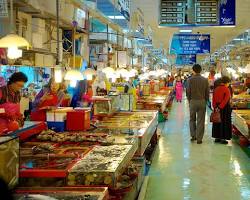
124,8
185,59
227,13
190,44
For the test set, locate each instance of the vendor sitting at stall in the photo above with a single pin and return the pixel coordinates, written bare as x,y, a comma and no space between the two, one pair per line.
48,98
10,117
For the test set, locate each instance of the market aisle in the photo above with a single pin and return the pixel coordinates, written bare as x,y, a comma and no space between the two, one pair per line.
182,170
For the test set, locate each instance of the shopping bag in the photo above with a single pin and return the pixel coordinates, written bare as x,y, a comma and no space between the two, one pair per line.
215,116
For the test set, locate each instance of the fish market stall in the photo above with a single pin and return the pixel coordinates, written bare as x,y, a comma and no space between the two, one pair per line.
138,124
241,101
241,120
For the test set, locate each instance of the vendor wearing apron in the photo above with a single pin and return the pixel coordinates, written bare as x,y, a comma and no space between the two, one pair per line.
10,103
49,97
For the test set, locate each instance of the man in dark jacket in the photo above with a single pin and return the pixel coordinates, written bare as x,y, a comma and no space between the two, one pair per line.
197,95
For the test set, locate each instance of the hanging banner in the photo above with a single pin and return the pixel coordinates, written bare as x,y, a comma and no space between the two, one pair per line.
124,8
185,59
149,34
3,8
190,44
227,12
140,16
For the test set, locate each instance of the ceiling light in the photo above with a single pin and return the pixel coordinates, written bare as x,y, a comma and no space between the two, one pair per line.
58,75
116,17
12,41
238,39
217,75
185,31
109,71
14,53
73,75
89,73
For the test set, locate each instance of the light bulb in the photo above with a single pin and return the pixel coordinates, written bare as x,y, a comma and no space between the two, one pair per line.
73,83
217,75
58,75
14,52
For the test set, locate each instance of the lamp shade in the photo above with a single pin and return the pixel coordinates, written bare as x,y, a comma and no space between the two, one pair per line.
13,40
108,70
89,71
73,75
123,73
133,72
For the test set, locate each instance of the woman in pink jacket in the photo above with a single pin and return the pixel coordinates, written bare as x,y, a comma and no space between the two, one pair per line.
178,89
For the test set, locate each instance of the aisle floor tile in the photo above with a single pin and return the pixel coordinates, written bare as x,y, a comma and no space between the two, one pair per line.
182,170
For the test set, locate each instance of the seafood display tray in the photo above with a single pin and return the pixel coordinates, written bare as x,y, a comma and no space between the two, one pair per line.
62,193
102,166
241,120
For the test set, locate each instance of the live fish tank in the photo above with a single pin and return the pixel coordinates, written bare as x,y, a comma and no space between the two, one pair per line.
102,166
104,106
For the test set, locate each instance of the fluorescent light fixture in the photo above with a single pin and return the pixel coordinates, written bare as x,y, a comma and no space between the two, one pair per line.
116,17
185,30
238,39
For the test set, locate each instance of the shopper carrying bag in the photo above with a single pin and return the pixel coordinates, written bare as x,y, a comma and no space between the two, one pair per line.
221,117
215,116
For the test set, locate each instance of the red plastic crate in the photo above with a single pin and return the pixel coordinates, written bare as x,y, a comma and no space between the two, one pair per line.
78,120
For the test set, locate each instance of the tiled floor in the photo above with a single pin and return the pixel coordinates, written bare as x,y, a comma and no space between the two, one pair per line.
182,170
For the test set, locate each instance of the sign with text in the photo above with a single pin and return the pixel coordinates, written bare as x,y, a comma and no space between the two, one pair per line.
185,59
190,44
197,13
227,12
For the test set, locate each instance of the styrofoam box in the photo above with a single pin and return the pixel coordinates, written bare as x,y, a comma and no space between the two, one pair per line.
39,59
55,116
58,115
48,60
25,26
38,25
37,40
67,11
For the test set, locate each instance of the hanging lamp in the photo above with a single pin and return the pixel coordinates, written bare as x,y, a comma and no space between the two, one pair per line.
12,41
73,75
89,73
109,71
